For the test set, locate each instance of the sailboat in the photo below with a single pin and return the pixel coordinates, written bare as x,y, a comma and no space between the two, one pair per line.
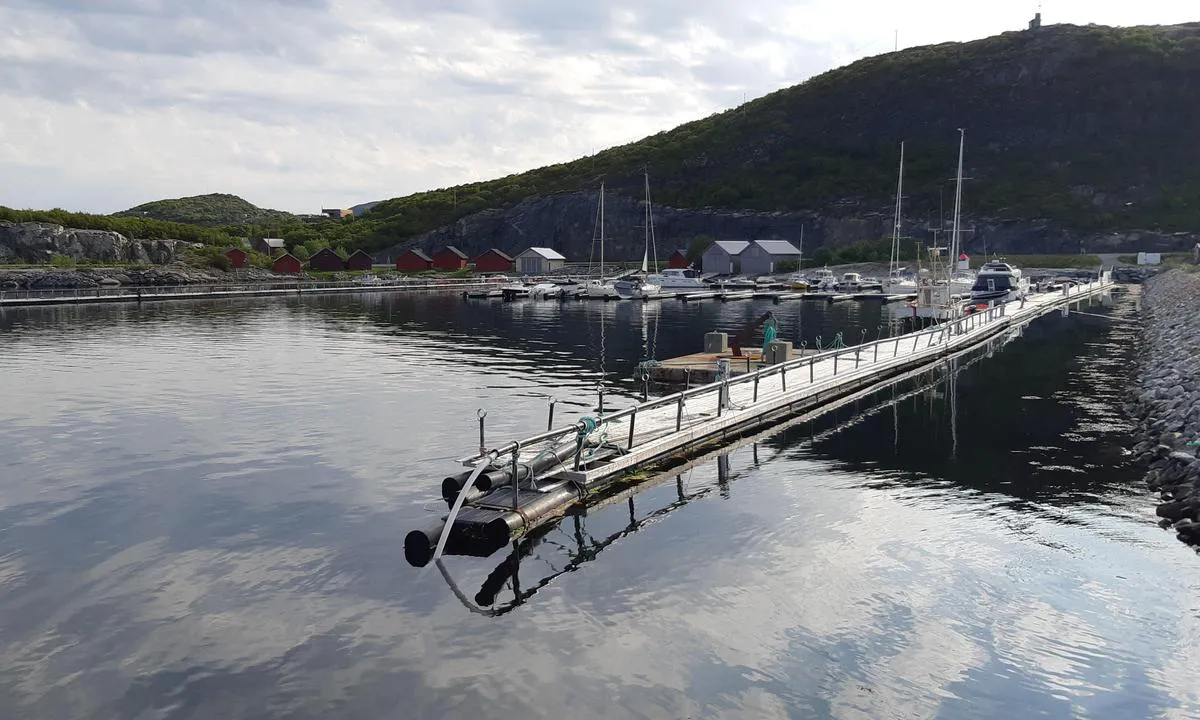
897,282
599,288
960,282
640,286
942,297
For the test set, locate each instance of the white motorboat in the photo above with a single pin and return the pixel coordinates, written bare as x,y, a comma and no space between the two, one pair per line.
636,289
823,280
854,282
678,279
797,281
546,291
999,282
900,283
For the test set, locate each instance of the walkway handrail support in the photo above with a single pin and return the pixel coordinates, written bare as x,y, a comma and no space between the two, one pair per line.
937,334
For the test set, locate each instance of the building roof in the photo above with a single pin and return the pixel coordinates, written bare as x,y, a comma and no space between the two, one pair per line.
419,253
733,247
235,247
501,253
678,251
324,251
454,250
359,251
285,256
273,242
544,252
777,247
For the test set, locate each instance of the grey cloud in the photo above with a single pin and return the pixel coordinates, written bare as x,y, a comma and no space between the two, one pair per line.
293,30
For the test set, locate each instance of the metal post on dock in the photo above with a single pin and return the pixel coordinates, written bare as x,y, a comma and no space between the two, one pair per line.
550,417
482,444
632,421
516,475
600,390
679,414
645,387
755,389
811,373
835,359
783,377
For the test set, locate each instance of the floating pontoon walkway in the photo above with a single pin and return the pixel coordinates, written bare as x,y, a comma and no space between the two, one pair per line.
520,485
111,294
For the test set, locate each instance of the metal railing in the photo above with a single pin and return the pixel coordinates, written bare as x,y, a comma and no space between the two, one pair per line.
844,361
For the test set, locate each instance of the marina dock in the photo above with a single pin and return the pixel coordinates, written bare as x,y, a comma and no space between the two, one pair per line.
516,487
123,293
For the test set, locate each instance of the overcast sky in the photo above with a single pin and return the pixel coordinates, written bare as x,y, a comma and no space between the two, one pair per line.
298,104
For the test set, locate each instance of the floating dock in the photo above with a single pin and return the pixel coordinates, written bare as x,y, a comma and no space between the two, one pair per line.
703,367
149,293
516,487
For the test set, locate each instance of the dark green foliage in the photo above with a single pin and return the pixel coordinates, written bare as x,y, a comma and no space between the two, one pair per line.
1067,124
139,228
212,210
697,246
209,256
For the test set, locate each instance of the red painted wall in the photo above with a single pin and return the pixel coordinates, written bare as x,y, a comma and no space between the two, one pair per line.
678,260
410,262
237,257
492,262
445,260
286,264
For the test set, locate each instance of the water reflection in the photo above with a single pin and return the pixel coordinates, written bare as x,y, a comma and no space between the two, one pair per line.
203,504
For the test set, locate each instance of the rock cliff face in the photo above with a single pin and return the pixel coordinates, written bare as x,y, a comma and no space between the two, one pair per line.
566,223
38,242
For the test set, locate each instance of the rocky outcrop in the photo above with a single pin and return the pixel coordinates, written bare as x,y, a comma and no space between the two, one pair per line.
1167,405
566,222
39,242
158,276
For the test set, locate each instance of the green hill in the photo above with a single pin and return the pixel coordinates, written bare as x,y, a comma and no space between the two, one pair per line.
1092,128
212,210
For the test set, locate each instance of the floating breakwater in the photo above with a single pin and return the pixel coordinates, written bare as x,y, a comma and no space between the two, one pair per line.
1167,402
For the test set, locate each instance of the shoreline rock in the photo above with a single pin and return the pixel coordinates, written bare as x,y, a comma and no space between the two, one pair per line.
1166,399
177,274
36,242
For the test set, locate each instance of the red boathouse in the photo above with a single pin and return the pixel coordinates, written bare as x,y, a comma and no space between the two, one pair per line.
326,260
359,260
413,260
287,263
449,258
237,257
494,261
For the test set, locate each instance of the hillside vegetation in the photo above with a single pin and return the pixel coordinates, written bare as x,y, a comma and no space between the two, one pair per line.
1089,129
215,209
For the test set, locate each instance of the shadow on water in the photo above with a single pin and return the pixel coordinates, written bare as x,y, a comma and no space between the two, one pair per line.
933,389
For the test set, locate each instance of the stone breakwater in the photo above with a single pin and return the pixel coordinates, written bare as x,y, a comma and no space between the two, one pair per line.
52,279
1167,404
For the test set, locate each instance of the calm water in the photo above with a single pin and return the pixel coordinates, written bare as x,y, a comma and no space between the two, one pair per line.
203,506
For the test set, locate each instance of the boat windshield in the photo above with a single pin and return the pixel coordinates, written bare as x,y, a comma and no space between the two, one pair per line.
991,283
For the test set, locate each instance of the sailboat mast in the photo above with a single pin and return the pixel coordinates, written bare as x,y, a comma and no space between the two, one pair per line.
895,262
800,262
957,204
650,225
601,232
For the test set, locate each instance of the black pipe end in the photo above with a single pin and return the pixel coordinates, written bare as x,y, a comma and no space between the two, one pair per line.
418,548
